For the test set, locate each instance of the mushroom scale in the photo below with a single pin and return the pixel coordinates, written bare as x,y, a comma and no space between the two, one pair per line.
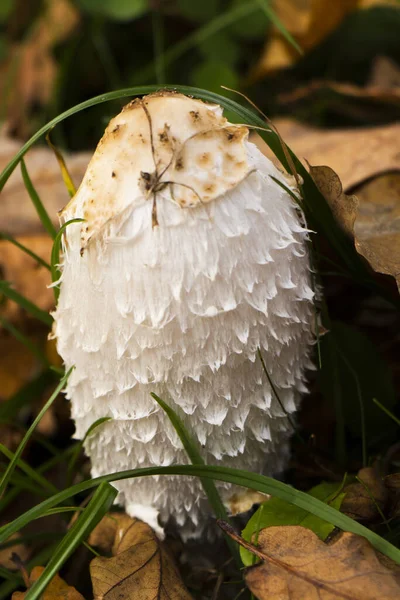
191,257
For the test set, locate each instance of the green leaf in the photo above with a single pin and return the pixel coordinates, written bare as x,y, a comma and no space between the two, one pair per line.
120,10
222,46
102,500
276,512
199,11
12,465
6,6
214,73
260,483
253,26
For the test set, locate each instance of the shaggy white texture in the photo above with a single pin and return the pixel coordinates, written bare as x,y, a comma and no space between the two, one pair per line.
180,310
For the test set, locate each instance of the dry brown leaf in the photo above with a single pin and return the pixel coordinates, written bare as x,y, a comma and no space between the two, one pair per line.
297,565
380,95
31,66
344,208
309,22
363,500
56,590
354,154
141,568
377,228
108,533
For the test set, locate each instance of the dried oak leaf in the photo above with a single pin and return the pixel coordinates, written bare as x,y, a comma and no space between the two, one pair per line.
298,565
57,589
141,568
363,499
344,208
377,235
377,227
108,534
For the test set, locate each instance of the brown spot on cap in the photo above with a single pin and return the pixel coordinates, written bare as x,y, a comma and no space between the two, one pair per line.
195,115
203,159
210,187
179,164
113,174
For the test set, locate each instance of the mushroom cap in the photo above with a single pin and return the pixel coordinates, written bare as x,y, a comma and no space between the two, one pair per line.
165,144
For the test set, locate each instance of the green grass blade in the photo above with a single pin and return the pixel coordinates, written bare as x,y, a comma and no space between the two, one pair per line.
78,447
5,323
37,203
55,255
32,473
273,17
195,457
11,467
36,257
386,411
102,500
26,304
260,483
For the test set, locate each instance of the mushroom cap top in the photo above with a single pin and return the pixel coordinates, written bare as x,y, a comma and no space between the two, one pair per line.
164,145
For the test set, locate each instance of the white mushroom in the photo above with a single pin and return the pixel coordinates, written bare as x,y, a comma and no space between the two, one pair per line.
191,257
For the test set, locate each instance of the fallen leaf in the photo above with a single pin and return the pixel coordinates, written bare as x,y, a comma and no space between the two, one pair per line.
107,534
140,568
344,208
377,227
56,590
276,512
354,154
366,498
298,565
309,22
